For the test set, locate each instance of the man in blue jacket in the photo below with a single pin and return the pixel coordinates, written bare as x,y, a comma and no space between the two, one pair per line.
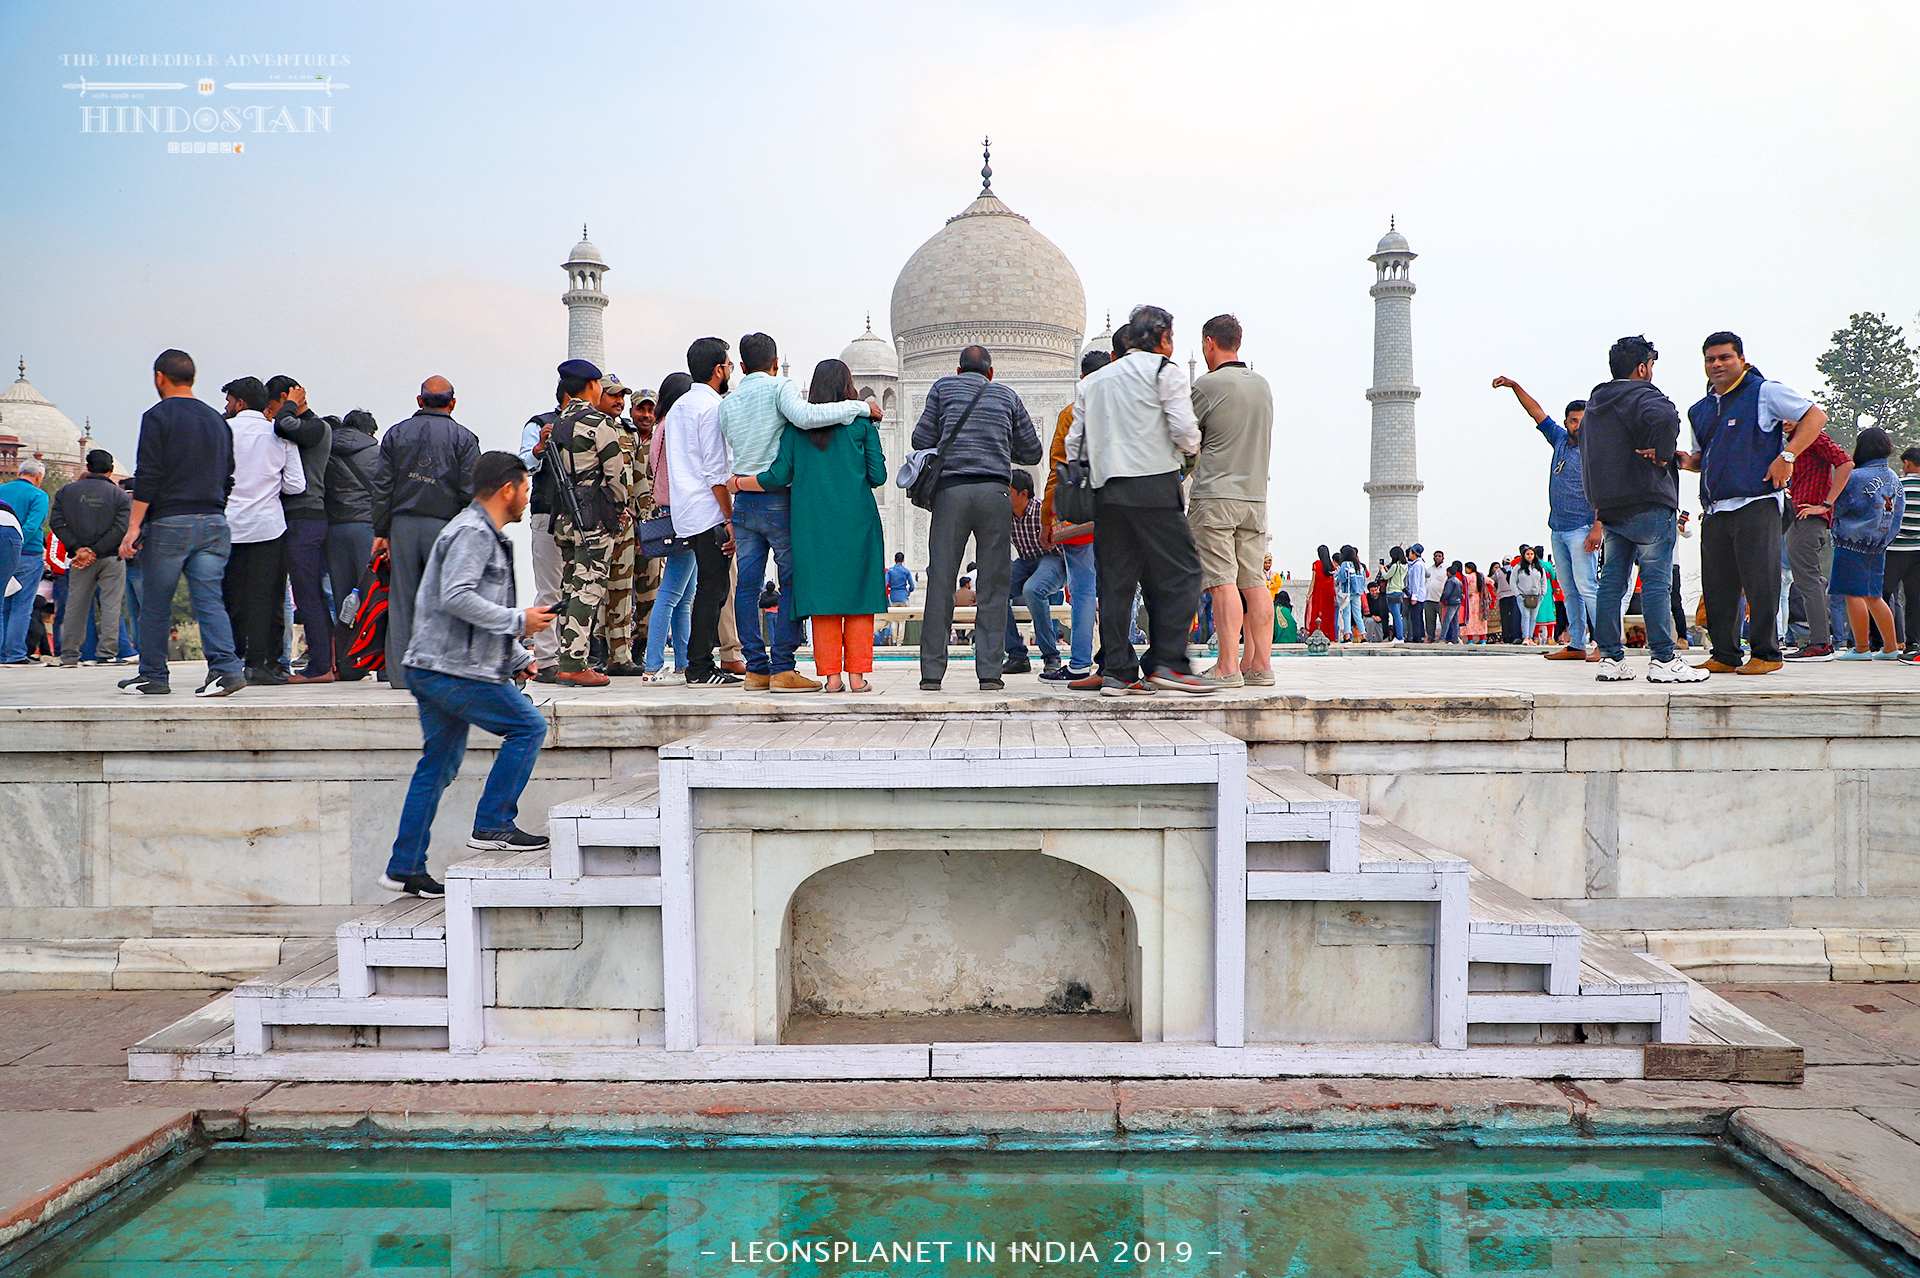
1744,451
1570,518
30,506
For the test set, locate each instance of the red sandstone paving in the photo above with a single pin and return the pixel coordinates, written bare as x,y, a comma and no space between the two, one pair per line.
1885,1017
1827,1039
690,1099
1254,1104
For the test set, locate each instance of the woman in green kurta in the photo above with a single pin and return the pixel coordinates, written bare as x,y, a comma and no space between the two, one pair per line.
1285,628
839,556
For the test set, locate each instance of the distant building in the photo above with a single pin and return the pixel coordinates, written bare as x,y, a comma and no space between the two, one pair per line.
31,425
586,303
1393,485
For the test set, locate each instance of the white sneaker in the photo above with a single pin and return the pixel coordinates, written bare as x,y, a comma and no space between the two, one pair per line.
1612,671
1675,671
664,678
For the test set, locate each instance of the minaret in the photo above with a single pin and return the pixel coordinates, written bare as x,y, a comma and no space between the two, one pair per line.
586,325
1393,486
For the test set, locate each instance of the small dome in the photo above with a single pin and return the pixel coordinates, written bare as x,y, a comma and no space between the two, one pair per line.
1102,340
42,429
870,355
584,251
1392,242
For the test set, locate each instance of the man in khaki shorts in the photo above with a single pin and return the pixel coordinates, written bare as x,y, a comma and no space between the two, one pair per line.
1228,504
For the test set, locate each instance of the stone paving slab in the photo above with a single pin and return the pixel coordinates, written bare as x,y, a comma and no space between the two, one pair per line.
1866,1170
737,1109
1234,1105
50,1161
1883,1019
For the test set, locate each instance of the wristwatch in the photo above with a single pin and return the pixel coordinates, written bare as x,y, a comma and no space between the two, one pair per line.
1787,453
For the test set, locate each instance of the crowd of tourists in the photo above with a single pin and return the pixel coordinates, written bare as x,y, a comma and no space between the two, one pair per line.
1411,598
1802,543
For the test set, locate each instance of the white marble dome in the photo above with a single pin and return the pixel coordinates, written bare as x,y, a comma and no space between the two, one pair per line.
1392,242
989,278
43,430
584,251
870,355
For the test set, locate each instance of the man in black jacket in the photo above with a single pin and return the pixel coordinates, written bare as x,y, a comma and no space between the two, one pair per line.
306,513
351,470
1627,444
90,516
424,479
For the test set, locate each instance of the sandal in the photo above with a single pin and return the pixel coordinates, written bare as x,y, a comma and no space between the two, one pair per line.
865,686
827,685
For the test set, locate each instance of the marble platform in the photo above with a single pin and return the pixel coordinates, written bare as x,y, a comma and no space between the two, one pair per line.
1743,828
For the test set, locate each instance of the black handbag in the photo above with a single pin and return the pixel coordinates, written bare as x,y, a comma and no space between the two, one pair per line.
921,486
657,539
1073,500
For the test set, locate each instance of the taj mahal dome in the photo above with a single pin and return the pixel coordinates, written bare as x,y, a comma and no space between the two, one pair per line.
986,278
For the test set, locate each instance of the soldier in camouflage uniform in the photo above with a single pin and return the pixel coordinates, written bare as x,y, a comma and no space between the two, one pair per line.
589,442
633,580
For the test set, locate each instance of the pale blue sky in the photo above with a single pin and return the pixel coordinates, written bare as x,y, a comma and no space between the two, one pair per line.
1566,175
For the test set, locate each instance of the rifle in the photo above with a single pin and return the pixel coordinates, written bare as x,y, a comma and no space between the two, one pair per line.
563,477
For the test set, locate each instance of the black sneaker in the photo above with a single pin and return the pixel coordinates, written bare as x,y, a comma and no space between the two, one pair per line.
715,678
929,685
266,676
1018,665
1065,674
421,884
624,670
222,686
992,685
511,839
548,674
145,684
1811,652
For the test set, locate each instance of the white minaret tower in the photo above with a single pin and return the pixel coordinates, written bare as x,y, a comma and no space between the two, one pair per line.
586,325
1393,486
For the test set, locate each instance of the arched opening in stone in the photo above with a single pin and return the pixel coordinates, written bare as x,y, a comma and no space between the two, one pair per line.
958,946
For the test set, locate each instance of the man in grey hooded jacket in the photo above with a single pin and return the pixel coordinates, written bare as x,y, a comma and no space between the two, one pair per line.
462,659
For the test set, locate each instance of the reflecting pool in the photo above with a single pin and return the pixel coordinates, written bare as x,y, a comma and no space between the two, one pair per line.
1611,1211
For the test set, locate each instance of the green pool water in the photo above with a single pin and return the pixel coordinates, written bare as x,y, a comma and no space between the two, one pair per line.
691,1214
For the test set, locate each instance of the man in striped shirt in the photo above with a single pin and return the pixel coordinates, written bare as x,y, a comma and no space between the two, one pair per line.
1903,555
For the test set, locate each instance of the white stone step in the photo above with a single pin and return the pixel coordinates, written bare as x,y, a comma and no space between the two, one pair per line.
1616,987
526,879
1287,806
408,932
306,991
1505,926
599,833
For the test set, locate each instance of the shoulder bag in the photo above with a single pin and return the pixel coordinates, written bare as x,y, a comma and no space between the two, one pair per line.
920,472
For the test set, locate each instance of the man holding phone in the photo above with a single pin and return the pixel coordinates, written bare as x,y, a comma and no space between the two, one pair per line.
463,657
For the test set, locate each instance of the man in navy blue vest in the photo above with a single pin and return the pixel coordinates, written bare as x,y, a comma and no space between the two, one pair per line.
1746,432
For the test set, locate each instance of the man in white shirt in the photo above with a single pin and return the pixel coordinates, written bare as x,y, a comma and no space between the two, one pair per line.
697,472
265,466
1416,593
1133,422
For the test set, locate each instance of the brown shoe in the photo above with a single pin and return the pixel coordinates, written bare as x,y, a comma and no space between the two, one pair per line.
584,678
328,677
756,682
734,667
1756,666
791,681
1092,683
1567,654
1714,666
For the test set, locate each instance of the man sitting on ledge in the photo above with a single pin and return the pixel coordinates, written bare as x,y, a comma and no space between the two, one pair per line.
464,650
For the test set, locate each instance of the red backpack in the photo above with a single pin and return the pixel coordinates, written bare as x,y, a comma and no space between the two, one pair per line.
368,651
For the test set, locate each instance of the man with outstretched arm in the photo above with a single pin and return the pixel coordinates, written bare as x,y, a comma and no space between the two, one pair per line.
1570,519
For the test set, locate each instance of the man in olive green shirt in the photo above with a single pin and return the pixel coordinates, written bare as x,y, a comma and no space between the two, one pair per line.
1228,504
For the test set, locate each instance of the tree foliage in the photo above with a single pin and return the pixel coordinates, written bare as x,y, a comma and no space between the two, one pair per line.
1872,372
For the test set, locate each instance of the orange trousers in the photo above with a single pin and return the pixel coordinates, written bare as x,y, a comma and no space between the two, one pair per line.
843,644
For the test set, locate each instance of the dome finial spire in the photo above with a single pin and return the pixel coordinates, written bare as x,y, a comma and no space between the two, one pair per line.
986,166
23,368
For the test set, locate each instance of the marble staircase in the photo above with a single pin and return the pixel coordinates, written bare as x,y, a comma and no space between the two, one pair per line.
414,988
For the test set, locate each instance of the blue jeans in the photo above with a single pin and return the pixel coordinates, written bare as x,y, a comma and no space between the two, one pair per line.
1047,641
1349,614
197,545
672,609
1394,610
761,527
16,610
1579,582
448,705
1646,539
1072,567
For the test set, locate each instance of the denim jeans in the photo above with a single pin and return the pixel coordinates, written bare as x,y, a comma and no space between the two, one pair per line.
16,610
448,705
1350,613
1646,539
672,609
1072,567
197,545
760,528
1579,582
1046,640
1395,609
